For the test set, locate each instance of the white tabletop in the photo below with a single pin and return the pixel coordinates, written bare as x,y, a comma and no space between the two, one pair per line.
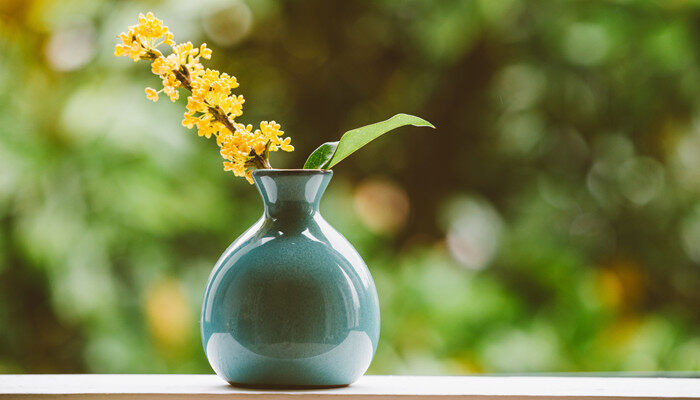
195,387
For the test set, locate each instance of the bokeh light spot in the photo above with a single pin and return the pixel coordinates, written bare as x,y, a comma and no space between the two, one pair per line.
228,23
586,44
71,47
382,205
168,314
473,231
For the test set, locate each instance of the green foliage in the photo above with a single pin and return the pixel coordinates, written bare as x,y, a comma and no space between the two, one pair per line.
329,154
552,225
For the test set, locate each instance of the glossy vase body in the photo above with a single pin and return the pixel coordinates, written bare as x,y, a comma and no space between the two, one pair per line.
290,302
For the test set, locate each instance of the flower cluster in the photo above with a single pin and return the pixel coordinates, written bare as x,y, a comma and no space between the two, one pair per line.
237,147
211,105
210,89
140,39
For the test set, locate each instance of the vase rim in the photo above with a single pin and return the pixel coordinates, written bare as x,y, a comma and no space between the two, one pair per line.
292,171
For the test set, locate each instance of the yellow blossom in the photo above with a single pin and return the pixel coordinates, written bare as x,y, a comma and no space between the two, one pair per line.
204,51
285,144
151,94
212,107
148,34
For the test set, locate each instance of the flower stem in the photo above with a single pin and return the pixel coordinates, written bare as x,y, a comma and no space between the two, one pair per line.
265,163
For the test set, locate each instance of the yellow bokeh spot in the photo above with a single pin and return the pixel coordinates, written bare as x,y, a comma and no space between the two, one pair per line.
168,315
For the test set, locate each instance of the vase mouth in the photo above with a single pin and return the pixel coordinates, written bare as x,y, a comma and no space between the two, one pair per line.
290,191
298,171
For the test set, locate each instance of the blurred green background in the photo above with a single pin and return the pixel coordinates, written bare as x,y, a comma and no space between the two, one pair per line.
550,223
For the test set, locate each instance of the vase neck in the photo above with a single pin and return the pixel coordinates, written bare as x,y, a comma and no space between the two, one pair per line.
291,192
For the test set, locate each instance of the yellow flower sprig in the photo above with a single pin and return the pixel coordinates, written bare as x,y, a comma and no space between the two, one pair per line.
211,106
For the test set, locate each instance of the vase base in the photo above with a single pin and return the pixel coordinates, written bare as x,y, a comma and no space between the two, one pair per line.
266,386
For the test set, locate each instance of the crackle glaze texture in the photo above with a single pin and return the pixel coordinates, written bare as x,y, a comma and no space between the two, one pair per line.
290,302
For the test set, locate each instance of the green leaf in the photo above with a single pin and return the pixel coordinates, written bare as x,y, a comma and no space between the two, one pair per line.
320,158
331,153
353,140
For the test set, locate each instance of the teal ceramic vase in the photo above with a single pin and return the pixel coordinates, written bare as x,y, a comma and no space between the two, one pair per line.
290,303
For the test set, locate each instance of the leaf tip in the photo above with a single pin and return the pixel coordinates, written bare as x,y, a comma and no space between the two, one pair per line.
415,121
